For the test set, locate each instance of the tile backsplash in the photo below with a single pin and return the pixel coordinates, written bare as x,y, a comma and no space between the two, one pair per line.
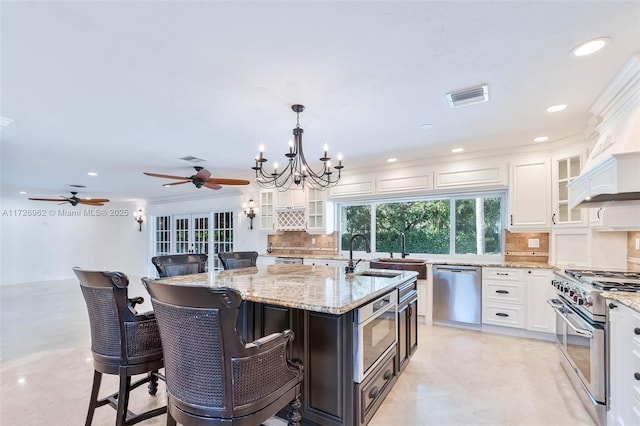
299,242
517,248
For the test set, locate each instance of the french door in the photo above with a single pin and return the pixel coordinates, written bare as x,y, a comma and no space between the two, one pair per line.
191,233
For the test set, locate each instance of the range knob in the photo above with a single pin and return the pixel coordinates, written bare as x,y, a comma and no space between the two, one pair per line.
588,300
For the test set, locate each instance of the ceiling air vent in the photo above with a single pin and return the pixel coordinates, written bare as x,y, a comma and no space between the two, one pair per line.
192,159
473,95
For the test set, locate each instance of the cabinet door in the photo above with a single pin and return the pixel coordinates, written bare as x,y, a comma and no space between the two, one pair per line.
412,333
565,170
540,316
403,328
290,199
266,210
529,195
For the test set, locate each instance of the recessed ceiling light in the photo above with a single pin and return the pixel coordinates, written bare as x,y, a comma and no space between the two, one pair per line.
92,174
22,192
457,150
541,139
591,46
556,108
391,160
426,126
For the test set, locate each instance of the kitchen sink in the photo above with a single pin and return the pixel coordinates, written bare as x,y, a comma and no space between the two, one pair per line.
381,274
418,265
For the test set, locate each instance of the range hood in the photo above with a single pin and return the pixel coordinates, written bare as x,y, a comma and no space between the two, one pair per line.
611,174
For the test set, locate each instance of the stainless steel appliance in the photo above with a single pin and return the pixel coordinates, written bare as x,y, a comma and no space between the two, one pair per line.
457,294
288,261
581,330
375,332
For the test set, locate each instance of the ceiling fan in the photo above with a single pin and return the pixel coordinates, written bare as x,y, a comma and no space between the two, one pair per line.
74,201
200,179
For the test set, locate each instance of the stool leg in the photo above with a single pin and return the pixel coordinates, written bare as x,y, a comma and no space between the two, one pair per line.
95,388
294,414
123,398
170,420
153,383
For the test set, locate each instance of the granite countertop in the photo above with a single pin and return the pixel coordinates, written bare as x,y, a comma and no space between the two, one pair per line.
531,265
631,300
315,288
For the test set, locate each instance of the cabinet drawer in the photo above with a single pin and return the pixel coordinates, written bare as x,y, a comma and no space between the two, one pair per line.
406,290
503,314
503,274
372,393
503,292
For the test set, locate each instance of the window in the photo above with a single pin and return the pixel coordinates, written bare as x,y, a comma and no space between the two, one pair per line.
162,235
192,233
222,235
460,225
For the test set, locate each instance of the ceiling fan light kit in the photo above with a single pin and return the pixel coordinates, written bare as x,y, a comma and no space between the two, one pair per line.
297,172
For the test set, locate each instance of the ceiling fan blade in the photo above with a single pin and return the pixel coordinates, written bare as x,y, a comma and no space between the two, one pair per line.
203,175
91,202
212,185
176,183
48,199
223,181
96,200
166,176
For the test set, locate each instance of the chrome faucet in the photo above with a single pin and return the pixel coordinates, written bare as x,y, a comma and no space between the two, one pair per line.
352,266
403,243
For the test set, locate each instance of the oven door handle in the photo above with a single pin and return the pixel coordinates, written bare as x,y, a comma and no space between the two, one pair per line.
578,330
555,303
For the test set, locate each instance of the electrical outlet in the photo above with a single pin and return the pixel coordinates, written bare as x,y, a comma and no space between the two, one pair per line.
534,242
637,243
313,241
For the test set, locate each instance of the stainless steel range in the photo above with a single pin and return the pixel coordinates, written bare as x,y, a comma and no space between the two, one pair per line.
581,330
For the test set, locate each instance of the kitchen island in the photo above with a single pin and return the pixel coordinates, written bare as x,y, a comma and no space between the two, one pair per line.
319,303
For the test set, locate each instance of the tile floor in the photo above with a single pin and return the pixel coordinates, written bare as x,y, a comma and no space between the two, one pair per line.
457,377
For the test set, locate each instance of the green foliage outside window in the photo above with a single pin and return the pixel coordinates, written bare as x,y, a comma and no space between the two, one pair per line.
427,225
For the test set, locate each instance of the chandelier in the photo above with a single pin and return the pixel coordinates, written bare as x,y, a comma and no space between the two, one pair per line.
297,172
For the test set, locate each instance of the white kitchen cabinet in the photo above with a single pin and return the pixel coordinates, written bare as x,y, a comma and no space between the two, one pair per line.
265,260
566,168
530,195
324,262
503,297
624,365
290,199
319,212
539,315
267,208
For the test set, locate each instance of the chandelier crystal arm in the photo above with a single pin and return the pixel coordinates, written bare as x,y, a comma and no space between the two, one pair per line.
297,172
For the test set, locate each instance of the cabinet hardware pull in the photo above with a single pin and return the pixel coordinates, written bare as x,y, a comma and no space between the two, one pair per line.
502,314
502,273
387,375
553,218
374,393
511,219
598,214
636,331
502,291
636,376
612,306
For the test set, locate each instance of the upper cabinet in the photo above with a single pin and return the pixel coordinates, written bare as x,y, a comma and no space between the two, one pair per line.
566,168
291,199
319,212
267,208
530,195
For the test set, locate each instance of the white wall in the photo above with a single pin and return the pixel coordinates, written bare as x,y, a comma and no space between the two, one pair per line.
46,247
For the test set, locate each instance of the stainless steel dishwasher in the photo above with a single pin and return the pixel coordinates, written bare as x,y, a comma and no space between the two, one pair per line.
457,293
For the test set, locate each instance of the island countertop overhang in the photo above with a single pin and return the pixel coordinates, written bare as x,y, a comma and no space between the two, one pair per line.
324,289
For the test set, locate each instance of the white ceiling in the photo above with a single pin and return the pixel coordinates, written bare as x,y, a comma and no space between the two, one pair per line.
125,87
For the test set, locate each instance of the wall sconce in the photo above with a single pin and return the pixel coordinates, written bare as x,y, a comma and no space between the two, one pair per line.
250,211
138,217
